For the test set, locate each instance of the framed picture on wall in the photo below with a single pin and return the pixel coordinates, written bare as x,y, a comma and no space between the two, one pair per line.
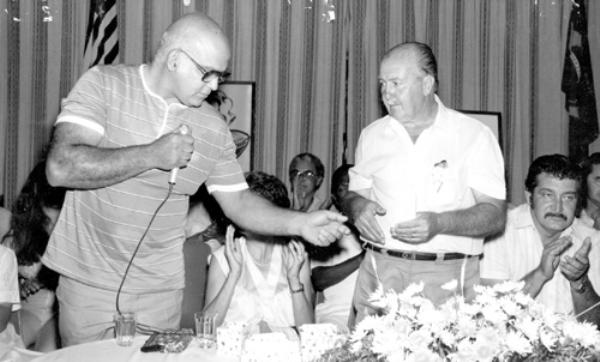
235,101
491,119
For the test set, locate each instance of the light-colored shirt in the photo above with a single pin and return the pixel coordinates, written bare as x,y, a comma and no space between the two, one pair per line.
262,293
98,229
9,293
455,155
519,250
9,284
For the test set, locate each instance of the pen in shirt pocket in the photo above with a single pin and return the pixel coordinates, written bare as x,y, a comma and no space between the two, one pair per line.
438,167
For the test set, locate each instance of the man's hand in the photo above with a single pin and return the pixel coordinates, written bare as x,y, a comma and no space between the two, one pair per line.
233,253
173,150
323,227
573,268
362,214
418,230
551,256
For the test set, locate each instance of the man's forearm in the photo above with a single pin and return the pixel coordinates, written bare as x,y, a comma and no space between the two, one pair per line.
584,296
83,166
256,214
480,220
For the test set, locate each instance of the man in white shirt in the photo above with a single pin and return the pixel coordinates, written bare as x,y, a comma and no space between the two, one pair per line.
555,254
590,215
427,186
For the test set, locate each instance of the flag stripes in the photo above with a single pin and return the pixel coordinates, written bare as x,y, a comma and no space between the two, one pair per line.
102,38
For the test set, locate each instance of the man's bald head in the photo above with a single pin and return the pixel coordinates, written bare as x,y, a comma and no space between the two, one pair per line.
200,36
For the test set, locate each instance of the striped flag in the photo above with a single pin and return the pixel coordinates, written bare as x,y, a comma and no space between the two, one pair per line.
101,38
578,85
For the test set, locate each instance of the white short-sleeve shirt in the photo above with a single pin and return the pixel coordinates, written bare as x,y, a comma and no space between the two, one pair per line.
437,173
519,251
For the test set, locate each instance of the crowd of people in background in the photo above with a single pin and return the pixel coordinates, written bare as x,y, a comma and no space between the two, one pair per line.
425,192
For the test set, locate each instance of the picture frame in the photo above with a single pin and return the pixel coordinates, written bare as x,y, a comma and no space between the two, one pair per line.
491,119
235,101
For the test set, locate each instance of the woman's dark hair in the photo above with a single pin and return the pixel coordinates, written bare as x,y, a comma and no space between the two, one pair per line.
268,187
28,221
338,176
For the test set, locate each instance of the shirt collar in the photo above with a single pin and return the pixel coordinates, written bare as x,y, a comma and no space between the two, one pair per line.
155,95
441,122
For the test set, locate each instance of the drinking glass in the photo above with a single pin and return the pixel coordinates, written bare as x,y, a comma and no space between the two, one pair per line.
124,328
206,332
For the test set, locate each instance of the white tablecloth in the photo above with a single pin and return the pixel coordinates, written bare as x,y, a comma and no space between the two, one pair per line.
109,351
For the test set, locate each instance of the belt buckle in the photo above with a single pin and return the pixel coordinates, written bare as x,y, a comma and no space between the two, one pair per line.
408,255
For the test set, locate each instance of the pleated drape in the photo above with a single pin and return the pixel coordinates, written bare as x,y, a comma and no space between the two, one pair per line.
316,78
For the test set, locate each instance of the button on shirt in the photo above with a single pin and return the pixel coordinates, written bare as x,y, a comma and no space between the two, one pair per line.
436,173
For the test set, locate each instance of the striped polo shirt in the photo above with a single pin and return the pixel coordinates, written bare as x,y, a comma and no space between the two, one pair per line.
98,229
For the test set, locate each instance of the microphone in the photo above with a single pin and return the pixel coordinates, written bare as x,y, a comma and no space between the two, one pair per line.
173,175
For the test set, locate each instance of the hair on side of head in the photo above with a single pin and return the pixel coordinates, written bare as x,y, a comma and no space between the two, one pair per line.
556,165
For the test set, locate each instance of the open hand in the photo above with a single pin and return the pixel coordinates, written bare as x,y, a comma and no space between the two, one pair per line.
294,257
323,227
418,230
551,256
233,253
573,268
363,212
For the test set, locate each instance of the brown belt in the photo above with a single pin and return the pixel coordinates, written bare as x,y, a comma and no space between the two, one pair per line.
414,255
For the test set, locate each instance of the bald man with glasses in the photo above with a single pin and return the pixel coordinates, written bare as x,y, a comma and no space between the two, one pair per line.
121,131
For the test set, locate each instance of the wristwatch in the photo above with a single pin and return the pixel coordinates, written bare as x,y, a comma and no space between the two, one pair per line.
299,290
578,285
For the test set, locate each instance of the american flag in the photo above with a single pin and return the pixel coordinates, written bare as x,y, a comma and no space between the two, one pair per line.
102,37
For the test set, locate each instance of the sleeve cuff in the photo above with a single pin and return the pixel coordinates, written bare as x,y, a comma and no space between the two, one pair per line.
227,188
82,122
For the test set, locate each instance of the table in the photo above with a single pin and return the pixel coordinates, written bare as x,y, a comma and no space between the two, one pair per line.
108,350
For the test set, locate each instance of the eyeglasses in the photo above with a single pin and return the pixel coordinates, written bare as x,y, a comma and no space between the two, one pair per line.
207,75
303,174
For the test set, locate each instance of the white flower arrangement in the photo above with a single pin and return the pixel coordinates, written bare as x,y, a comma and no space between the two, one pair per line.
500,324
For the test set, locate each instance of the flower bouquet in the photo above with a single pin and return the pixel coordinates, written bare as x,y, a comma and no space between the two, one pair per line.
500,324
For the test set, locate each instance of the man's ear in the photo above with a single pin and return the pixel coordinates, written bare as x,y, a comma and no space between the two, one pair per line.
172,59
428,84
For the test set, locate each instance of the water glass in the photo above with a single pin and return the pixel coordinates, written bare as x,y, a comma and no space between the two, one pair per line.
124,328
206,331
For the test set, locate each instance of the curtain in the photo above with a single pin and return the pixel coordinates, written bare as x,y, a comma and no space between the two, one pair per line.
316,77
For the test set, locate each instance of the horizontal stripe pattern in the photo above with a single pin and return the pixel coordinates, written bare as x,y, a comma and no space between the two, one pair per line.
98,229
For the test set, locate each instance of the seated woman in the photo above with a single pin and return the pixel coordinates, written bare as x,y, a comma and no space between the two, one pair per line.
335,268
34,213
258,279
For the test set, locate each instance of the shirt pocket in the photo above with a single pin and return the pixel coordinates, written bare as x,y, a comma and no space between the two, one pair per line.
443,188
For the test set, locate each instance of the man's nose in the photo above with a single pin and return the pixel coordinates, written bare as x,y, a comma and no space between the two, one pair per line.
213,84
558,205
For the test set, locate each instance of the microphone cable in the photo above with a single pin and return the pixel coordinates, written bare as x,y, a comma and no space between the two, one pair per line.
143,328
